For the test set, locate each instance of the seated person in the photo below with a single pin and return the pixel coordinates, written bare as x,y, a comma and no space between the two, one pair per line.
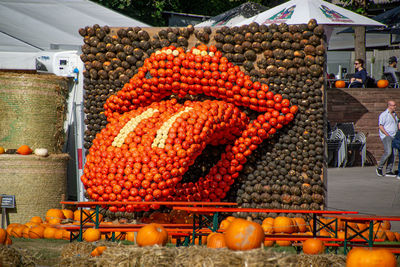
392,68
360,75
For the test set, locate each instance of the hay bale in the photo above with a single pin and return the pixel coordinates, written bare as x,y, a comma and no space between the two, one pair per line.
11,257
36,182
193,256
32,110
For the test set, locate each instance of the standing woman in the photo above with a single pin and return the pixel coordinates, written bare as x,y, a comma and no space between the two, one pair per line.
360,75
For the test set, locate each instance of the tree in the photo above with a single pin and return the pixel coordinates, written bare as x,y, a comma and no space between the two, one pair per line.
360,7
151,12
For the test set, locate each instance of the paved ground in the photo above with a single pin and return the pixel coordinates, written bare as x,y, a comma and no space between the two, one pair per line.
360,189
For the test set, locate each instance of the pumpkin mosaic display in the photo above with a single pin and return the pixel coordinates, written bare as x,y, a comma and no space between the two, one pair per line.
285,171
149,144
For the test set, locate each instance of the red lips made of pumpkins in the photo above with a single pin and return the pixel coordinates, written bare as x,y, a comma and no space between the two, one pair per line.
148,144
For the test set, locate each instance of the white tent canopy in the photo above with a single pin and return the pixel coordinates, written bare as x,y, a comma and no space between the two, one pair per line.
34,25
233,16
301,11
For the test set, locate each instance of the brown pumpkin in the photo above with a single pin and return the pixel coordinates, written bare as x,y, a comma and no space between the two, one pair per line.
382,83
244,235
216,240
91,235
313,246
340,84
370,257
152,234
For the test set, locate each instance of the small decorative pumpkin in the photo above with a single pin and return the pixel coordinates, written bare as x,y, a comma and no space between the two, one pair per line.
244,235
98,251
216,240
2,150
24,150
91,235
313,246
43,152
370,257
382,83
340,84
152,234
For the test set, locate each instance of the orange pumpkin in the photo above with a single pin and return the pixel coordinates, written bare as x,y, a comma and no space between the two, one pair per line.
217,240
98,251
91,235
69,214
49,232
390,235
269,243
244,235
17,230
152,234
340,84
8,241
370,257
313,246
268,225
54,214
283,225
283,243
397,236
3,236
58,234
382,83
301,224
36,232
130,236
224,224
36,219
24,150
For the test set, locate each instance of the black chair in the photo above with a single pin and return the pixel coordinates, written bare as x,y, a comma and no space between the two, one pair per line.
391,79
355,142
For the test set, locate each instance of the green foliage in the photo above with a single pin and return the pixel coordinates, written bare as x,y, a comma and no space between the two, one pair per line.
151,12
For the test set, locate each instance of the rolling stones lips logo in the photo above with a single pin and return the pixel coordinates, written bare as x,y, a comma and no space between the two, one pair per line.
149,143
